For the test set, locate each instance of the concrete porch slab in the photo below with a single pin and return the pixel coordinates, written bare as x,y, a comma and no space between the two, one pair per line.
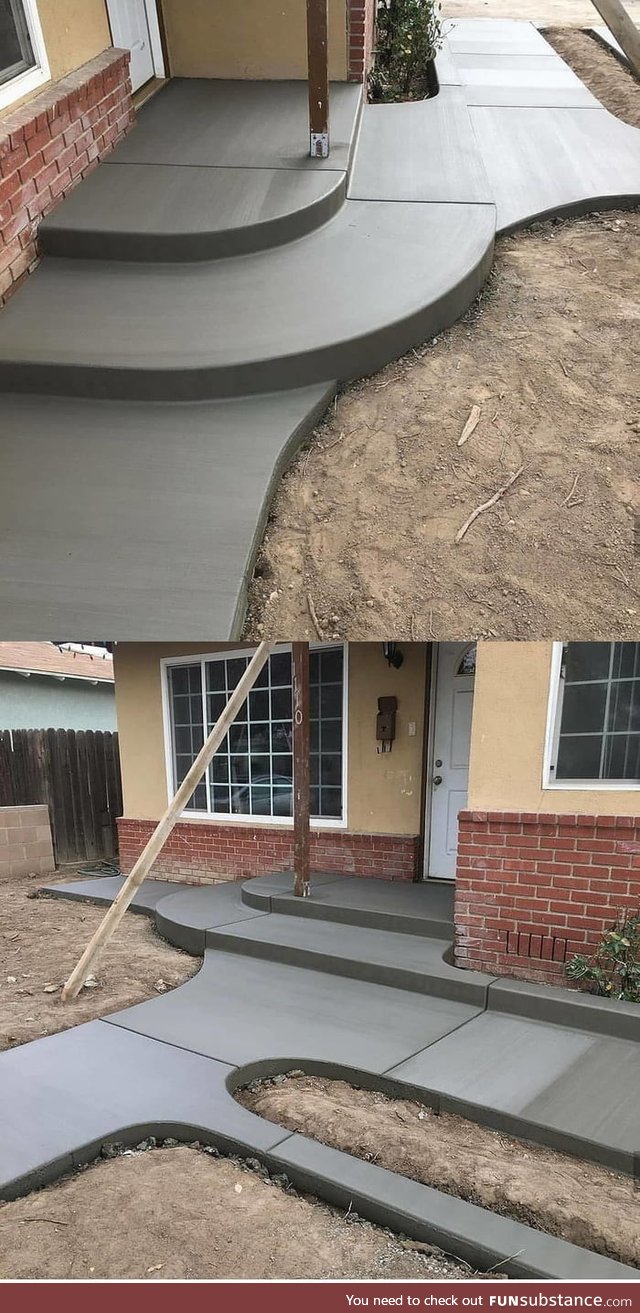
217,123
267,1010
144,520
398,905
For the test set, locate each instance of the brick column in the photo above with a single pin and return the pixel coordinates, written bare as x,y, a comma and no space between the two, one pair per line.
534,888
360,37
48,145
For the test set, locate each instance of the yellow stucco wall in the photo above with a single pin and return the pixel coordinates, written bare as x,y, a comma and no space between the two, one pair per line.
247,38
383,790
507,745
74,31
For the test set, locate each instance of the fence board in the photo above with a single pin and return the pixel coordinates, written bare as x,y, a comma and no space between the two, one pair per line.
77,775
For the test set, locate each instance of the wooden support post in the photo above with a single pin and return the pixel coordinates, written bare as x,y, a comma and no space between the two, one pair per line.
164,827
623,28
301,781
318,52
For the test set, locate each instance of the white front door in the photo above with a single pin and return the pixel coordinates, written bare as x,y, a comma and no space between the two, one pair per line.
129,22
451,710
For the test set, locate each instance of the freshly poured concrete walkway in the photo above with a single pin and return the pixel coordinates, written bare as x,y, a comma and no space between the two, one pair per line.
210,261
529,1061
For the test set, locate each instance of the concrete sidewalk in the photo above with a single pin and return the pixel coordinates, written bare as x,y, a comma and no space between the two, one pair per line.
530,1061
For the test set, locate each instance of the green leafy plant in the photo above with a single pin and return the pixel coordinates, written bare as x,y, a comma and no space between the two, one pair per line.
408,36
613,971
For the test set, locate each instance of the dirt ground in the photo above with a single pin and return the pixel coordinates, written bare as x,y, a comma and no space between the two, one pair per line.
579,1201
361,539
114,1221
570,13
614,85
40,943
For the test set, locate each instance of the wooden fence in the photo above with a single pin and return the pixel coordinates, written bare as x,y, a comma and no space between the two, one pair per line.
77,774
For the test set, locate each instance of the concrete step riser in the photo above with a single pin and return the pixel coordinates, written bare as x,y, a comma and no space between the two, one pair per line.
415,982
369,920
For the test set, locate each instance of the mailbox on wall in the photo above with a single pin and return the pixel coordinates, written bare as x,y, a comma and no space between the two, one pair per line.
386,723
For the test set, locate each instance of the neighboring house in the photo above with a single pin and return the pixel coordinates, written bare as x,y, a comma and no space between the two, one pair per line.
69,70
46,686
514,771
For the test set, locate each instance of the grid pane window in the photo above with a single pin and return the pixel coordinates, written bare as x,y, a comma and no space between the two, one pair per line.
185,697
599,734
16,51
252,772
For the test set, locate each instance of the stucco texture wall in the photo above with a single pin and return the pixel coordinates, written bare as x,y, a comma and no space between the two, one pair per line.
74,31
248,39
41,703
508,738
383,790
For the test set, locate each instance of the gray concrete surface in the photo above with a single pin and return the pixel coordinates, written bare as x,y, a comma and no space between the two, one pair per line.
259,125
567,161
383,957
240,326
420,151
474,1234
160,212
275,1011
143,521
169,1067
421,909
150,527
102,889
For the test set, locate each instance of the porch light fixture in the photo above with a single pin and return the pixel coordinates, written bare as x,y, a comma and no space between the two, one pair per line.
393,655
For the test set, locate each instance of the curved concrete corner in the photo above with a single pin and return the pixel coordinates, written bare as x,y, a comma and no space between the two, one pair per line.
244,326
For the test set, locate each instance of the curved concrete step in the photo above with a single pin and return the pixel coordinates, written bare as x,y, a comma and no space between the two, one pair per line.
379,956
341,302
156,212
403,907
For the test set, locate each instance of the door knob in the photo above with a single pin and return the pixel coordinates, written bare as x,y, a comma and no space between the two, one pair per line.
437,779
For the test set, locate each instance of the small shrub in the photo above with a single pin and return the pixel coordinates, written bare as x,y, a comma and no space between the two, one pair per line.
613,971
409,34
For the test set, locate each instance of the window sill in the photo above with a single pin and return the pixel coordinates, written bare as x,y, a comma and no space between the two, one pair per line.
22,86
241,818
593,786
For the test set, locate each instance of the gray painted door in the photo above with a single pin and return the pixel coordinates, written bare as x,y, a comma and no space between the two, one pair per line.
448,781
130,31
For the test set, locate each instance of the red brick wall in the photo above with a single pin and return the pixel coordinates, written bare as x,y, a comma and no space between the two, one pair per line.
202,853
361,32
533,889
48,145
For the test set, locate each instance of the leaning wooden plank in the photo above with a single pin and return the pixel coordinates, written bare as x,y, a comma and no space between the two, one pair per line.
165,825
623,28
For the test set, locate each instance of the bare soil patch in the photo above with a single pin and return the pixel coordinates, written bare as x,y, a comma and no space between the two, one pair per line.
611,81
178,1214
361,539
561,1195
40,942
364,523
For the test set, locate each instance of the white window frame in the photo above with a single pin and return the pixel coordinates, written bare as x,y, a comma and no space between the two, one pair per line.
554,720
241,818
32,78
